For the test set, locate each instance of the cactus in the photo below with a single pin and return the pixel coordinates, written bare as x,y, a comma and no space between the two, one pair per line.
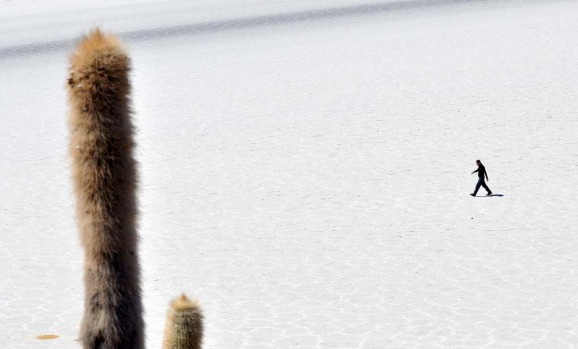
184,327
104,175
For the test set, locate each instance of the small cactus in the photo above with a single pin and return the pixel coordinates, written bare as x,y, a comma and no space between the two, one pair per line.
184,327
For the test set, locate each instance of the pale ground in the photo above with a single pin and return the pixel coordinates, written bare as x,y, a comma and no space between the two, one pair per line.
308,182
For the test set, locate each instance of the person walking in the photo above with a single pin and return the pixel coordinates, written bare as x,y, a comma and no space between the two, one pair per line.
481,183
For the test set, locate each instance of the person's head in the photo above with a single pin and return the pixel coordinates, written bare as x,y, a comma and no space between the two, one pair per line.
478,162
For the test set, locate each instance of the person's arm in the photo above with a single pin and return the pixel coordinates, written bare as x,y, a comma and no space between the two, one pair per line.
486,173
476,170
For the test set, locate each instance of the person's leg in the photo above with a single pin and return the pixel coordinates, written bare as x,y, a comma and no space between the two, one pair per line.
486,187
478,186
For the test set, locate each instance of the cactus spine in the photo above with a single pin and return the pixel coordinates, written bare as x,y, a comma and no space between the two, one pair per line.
184,327
104,178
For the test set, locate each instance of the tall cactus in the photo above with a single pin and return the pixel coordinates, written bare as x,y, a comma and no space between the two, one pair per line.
104,176
104,173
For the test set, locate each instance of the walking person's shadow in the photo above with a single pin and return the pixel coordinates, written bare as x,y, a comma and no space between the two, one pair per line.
488,196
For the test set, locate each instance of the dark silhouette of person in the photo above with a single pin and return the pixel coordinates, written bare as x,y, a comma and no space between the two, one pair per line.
481,183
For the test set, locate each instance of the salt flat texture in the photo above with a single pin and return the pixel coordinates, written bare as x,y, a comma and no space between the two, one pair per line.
308,181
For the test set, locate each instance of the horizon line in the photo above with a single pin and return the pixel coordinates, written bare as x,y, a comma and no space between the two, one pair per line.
231,24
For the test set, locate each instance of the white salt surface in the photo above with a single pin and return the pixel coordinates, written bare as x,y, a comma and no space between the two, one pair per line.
308,182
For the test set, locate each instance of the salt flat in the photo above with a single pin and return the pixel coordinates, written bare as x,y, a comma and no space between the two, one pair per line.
308,181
